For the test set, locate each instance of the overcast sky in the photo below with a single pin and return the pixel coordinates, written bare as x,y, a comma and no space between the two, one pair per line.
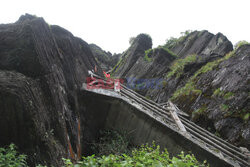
110,23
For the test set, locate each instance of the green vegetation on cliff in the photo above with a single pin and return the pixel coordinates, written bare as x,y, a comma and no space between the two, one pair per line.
145,155
199,112
172,42
178,66
241,43
190,86
10,158
114,150
147,52
150,52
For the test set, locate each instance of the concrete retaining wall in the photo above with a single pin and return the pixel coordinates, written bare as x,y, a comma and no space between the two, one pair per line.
106,112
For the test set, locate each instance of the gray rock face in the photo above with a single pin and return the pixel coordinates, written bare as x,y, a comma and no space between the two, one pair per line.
41,67
141,43
224,99
206,82
105,59
205,47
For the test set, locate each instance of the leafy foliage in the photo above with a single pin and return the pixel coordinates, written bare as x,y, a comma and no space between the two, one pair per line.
112,142
10,158
171,42
146,56
143,156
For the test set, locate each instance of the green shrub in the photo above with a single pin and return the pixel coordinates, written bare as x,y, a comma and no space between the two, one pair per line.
171,42
143,156
10,158
146,56
112,142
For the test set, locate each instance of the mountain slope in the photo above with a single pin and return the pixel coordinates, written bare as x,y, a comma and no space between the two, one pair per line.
202,74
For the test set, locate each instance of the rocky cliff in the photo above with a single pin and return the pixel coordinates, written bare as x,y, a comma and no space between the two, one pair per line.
105,59
201,73
42,67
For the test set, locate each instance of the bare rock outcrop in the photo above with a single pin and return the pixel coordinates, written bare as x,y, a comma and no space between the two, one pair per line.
42,67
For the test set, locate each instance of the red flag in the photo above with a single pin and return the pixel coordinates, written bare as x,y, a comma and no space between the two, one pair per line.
106,75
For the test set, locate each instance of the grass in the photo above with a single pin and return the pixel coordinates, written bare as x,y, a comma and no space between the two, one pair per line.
177,67
241,43
167,50
190,86
212,65
224,107
149,52
188,89
199,112
172,42
117,66
218,92
228,95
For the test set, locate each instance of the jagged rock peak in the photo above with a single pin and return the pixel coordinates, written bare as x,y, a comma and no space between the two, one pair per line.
144,40
27,17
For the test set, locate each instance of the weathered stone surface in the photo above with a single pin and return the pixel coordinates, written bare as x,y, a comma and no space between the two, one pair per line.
42,67
201,68
105,59
141,43
224,98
